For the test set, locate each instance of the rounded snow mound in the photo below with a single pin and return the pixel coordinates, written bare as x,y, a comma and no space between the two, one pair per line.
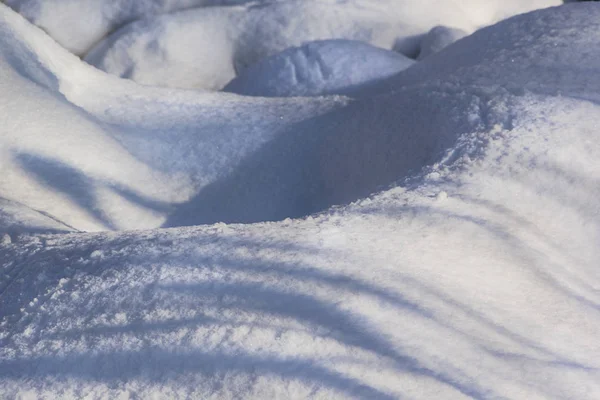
318,68
206,48
553,51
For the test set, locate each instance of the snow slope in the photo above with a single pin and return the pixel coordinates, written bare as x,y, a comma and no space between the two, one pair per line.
318,68
144,150
475,277
63,20
207,47
469,286
438,38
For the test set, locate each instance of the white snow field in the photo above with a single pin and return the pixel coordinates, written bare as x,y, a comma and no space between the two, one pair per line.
435,235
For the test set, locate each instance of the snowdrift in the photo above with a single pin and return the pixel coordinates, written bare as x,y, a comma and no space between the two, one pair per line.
79,24
319,68
206,48
445,239
105,153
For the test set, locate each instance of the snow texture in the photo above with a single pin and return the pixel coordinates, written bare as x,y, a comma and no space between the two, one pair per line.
79,24
319,68
436,235
206,48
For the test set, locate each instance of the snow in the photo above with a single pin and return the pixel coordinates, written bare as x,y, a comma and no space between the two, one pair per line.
206,48
150,139
434,235
438,38
62,19
318,68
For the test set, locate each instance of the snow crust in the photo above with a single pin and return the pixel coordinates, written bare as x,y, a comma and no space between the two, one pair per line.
444,241
319,68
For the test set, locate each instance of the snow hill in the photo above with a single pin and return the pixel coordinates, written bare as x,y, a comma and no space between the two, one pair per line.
432,235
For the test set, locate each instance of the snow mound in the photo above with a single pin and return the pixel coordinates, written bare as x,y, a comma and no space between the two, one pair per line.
377,140
184,158
79,24
318,68
158,147
479,283
540,52
206,48
438,38
476,277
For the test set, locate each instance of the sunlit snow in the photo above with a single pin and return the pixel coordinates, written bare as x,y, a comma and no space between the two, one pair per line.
398,200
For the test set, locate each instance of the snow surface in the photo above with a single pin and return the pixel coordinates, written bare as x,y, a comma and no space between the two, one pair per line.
206,48
445,238
79,24
438,38
63,20
319,68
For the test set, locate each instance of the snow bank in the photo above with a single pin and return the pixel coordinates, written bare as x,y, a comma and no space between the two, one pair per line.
477,277
206,48
521,54
479,283
182,158
79,24
158,147
318,68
